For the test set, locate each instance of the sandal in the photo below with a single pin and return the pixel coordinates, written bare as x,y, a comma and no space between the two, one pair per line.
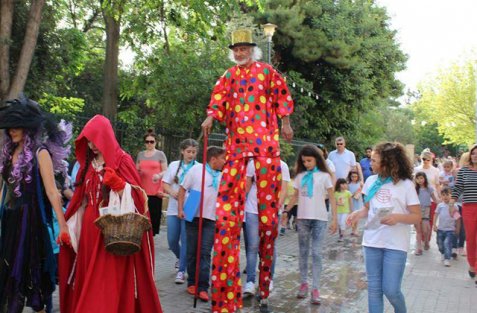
418,252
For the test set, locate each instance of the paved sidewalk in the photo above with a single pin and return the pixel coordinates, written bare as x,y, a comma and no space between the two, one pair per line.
428,285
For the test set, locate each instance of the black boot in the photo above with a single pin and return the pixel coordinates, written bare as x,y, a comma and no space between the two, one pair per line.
263,304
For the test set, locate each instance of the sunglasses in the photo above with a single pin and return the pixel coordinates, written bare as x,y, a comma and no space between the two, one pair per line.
339,143
149,141
426,159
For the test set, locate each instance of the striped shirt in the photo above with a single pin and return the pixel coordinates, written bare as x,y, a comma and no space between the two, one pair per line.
466,185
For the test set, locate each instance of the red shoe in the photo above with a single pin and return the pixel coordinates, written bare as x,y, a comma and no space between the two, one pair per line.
191,290
204,296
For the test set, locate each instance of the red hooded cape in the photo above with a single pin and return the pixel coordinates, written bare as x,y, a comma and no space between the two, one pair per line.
108,283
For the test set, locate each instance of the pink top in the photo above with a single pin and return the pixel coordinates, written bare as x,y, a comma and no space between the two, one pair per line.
148,167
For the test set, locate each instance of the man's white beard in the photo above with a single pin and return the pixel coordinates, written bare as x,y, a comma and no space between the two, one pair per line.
243,62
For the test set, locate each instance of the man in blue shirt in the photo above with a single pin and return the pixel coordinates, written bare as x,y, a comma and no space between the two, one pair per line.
366,164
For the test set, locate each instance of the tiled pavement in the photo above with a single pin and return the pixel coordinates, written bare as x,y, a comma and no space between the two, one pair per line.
428,285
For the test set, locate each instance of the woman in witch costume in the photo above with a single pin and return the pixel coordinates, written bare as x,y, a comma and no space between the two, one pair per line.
33,147
92,279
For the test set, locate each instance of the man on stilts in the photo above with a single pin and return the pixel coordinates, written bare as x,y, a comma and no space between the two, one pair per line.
248,98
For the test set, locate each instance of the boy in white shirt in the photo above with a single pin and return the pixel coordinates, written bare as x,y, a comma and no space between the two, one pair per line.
193,181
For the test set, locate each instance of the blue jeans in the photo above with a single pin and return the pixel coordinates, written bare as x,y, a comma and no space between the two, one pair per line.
316,231
176,231
385,269
208,232
252,241
445,238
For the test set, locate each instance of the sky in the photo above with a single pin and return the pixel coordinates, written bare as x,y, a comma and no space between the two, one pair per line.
433,33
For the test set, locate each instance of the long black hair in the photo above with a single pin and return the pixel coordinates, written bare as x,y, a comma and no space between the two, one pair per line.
311,151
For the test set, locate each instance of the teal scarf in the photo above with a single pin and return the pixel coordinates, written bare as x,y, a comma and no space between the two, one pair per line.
185,169
215,176
308,181
378,183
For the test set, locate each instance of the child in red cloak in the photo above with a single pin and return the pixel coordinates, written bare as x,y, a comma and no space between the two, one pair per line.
92,279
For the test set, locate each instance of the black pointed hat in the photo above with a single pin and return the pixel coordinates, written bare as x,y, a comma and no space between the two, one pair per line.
21,113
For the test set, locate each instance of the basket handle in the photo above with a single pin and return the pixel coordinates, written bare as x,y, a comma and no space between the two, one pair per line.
146,206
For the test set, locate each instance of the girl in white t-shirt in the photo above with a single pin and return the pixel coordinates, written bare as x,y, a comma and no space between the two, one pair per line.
391,206
174,176
312,184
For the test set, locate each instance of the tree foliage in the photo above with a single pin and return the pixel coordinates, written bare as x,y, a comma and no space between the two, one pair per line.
347,52
447,100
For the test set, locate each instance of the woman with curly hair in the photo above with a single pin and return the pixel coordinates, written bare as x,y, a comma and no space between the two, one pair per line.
33,147
391,206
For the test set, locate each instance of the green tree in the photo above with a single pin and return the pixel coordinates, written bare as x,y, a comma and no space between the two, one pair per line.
447,100
345,50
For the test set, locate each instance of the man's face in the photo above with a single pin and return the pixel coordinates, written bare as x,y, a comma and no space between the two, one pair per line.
368,153
242,54
340,145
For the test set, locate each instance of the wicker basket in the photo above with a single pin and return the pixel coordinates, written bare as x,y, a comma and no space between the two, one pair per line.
123,233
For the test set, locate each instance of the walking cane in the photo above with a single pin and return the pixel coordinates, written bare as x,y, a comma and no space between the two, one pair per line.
201,208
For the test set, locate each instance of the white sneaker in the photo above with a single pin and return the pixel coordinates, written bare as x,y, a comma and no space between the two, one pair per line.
270,288
249,288
446,263
180,278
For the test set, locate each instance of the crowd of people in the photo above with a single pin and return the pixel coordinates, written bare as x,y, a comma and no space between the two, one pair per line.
49,215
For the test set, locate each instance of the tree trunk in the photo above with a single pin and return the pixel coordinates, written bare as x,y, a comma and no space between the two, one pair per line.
6,17
28,49
110,91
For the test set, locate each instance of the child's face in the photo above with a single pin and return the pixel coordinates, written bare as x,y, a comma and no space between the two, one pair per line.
447,167
309,162
445,197
217,163
344,186
189,154
420,180
354,177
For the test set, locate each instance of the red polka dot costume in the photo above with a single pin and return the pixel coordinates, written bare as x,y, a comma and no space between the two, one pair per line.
249,100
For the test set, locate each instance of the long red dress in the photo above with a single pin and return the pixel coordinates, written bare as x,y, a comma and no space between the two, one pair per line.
93,280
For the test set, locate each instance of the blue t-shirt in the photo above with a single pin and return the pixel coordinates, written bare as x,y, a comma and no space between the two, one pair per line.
446,221
366,168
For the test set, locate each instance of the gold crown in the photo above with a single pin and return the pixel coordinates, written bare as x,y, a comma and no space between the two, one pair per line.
242,37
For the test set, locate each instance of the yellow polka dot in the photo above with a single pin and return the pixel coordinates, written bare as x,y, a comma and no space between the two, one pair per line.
249,129
224,310
261,77
264,219
240,130
276,137
225,240
238,108
237,72
263,99
263,184
272,84
230,295
231,259
232,224
227,206
233,172
279,176
257,165
227,105
223,276
220,114
246,107
218,97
